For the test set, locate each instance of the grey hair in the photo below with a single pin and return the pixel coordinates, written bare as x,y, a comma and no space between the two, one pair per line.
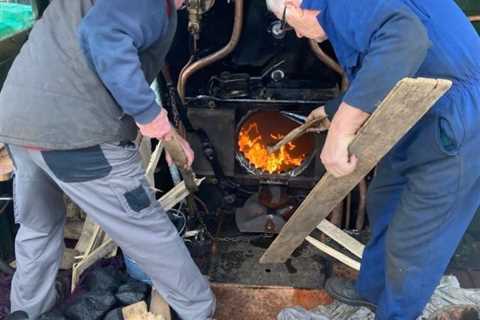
276,6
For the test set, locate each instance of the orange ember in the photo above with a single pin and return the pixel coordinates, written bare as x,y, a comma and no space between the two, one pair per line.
256,135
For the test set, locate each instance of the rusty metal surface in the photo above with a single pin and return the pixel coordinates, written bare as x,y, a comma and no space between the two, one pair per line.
238,262
362,204
239,302
219,124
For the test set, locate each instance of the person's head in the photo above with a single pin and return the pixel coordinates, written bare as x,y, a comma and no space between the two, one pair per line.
303,21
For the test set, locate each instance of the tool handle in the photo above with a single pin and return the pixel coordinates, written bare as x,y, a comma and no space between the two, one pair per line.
294,134
176,152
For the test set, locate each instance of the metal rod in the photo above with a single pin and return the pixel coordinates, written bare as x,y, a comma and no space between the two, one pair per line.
336,217
362,204
214,57
258,101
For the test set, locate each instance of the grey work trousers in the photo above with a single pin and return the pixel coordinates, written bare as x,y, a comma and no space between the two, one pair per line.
108,183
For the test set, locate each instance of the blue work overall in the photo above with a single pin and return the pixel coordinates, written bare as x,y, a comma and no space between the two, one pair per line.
427,189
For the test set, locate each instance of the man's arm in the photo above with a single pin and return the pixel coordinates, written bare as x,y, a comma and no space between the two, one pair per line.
397,50
111,35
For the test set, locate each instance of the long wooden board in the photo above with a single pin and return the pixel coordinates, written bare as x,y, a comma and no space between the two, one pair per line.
342,238
398,113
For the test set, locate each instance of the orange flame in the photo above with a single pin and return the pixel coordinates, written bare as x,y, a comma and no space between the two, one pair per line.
254,148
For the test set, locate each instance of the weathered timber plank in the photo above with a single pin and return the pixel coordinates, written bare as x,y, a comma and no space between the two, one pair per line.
78,268
341,237
355,265
398,113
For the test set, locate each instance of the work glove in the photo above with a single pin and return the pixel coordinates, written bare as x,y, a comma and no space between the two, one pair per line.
161,129
324,124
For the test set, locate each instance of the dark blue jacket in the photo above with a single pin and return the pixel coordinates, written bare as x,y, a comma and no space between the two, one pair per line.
378,42
113,35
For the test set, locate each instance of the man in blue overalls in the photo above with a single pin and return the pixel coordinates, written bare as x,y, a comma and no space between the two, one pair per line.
426,190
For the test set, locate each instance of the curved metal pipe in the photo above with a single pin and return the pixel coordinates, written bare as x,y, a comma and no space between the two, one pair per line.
214,57
362,204
336,217
329,62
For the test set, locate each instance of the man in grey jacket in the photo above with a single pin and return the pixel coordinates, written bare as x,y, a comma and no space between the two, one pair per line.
71,105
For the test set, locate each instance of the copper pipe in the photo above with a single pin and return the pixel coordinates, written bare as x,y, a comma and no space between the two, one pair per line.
362,204
336,217
214,57
329,62
348,211
474,18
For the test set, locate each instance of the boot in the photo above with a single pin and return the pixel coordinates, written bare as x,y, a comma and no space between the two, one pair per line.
345,291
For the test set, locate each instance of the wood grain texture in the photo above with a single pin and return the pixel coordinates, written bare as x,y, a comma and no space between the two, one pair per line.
355,265
394,117
342,238
294,134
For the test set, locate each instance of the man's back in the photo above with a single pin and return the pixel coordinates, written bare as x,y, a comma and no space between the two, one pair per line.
54,97
455,47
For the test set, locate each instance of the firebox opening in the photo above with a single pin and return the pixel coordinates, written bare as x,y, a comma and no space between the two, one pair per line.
261,129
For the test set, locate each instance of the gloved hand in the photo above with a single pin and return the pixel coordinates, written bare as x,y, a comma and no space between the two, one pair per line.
319,113
158,128
189,154
161,129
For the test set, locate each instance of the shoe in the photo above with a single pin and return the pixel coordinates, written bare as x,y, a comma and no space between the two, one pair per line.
62,288
17,315
346,292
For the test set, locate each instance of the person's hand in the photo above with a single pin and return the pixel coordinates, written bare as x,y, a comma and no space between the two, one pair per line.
161,129
158,128
179,4
335,155
187,149
319,114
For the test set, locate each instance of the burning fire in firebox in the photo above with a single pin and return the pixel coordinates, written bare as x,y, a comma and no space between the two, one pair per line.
264,128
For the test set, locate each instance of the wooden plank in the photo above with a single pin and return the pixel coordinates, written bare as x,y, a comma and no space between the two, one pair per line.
153,163
158,306
73,229
177,194
138,311
99,253
398,113
342,238
88,233
334,253
295,134
134,311
69,257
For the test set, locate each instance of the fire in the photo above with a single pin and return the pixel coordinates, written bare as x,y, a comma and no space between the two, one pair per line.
253,145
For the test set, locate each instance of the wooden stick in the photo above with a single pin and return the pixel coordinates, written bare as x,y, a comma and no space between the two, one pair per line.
175,150
158,306
294,134
342,238
396,115
177,194
88,261
152,165
334,253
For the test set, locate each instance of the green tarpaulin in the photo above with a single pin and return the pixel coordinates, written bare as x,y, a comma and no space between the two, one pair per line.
14,17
